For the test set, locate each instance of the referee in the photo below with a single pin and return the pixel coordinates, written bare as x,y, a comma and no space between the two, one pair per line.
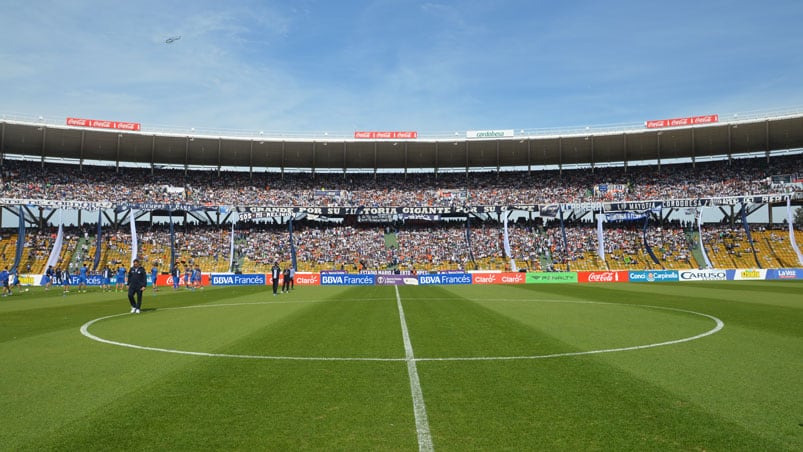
137,280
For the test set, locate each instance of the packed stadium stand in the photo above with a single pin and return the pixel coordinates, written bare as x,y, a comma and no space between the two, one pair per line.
535,243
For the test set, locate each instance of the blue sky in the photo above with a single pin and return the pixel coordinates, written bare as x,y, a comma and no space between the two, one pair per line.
432,67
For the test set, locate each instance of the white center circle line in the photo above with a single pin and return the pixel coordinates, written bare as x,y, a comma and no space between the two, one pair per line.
719,325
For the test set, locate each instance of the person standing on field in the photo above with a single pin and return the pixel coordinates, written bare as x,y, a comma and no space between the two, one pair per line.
154,275
137,281
275,273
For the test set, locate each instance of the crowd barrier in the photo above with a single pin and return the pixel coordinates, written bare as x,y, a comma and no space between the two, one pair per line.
467,278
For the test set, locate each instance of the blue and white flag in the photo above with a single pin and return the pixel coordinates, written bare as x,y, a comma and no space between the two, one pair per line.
55,253
133,237
700,236
600,239
791,222
506,244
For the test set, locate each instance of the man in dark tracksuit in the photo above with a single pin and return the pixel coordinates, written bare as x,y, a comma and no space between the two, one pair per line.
275,273
137,280
286,280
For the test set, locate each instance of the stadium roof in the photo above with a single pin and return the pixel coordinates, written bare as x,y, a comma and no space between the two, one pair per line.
325,152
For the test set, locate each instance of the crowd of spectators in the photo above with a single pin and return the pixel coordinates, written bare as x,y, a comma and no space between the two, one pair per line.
538,243
30,180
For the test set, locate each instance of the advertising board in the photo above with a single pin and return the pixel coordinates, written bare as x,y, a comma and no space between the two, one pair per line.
552,278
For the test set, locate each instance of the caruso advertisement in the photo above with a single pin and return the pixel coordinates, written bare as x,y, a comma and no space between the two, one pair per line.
703,275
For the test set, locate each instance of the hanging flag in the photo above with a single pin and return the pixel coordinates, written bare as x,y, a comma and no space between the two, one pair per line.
700,234
133,237
791,222
231,248
293,262
172,242
98,244
55,253
565,242
20,242
647,244
506,245
468,243
600,238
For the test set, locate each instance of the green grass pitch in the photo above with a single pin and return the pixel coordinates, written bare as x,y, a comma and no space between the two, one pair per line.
672,366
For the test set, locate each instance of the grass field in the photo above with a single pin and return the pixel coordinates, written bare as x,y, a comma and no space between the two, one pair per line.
685,366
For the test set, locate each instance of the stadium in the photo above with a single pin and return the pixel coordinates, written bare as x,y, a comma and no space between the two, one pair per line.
581,289
399,226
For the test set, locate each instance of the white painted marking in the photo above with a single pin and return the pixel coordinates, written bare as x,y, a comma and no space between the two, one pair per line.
419,407
718,326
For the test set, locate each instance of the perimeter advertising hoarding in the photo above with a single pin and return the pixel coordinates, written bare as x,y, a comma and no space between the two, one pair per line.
348,280
712,274
603,276
552,278
167,280
31,280
506,133
654,276
498,278
679,122
785,273
229,279
92,280
104,124
444,279
749,274
307,279
396,280
386,135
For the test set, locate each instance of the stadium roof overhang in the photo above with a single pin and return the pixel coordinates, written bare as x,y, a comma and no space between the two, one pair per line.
78,144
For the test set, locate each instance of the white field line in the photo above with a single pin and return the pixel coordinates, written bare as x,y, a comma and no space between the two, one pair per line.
718,326
419,407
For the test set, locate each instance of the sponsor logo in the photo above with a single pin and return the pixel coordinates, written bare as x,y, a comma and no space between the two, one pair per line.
91,280
551,277
513,278
348,280
703,275
750,274
600,277
238,280
307,279
484,278
498,278
445,278
654,276
396,280
490,133
787,274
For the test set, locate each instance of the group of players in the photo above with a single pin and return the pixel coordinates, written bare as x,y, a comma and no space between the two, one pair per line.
116,279
135,280
9,281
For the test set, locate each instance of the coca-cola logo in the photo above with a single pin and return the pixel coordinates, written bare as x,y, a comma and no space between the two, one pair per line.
600,277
